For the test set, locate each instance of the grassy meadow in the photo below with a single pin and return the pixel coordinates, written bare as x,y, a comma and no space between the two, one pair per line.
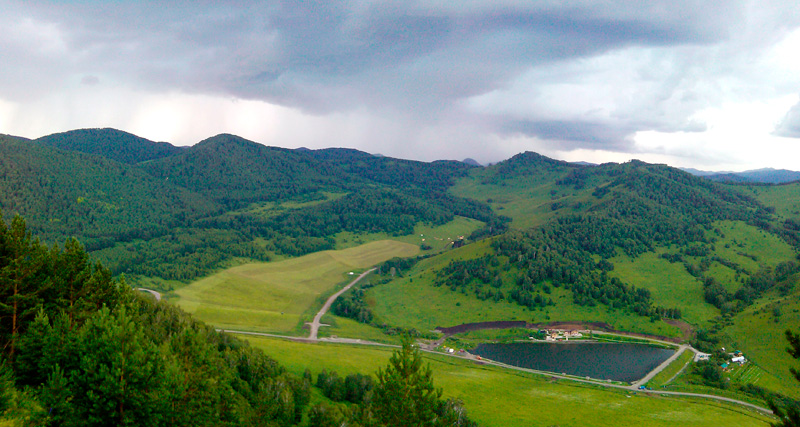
671,285
278,296
782,197
496,397
528,200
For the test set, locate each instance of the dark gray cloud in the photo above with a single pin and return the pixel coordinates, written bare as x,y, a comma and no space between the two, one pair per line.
580,74
574,134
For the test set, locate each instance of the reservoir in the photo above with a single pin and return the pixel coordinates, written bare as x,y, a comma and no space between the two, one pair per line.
615,361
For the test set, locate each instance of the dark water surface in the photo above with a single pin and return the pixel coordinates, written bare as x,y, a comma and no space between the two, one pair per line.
620,362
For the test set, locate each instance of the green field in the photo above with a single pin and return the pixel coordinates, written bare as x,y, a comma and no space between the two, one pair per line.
669,285
496,397
274,297
527,199
782,197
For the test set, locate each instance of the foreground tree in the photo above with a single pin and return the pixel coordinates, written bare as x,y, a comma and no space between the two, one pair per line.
405,395
790,416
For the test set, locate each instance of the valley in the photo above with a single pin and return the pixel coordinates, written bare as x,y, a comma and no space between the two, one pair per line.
250,238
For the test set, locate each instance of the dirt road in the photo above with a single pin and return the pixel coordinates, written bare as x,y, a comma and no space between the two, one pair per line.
315,324
155,294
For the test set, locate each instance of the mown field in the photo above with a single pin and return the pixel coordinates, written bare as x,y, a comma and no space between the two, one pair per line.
496,397
275,297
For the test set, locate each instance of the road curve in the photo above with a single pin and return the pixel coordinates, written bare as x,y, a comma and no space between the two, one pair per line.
155,294
315,324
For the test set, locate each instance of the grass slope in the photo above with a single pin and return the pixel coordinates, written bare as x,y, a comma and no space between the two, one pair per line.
672,286
759,334
496,397
273,297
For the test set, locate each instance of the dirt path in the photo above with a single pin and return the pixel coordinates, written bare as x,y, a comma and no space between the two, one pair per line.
315,324
155,294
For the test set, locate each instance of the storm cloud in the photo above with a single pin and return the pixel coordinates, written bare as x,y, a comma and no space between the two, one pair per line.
420,80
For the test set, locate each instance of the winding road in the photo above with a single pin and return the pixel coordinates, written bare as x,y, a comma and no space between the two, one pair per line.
315,324
155,294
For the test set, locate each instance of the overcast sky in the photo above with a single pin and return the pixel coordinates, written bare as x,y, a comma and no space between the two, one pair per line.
707,84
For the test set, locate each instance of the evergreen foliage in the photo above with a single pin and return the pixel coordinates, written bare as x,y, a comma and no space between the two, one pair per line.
113,144
80,348
70,194
236,172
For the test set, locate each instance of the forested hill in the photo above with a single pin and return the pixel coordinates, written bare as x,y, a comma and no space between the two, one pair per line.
591,214
68,193
184,214
111,143
236,172
438,176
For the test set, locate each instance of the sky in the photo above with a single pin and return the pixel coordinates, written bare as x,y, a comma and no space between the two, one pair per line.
713,84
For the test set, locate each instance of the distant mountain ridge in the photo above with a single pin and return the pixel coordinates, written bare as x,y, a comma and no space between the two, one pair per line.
763,176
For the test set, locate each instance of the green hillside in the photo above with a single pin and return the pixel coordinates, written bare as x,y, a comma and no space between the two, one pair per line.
236,172
103,202
110,143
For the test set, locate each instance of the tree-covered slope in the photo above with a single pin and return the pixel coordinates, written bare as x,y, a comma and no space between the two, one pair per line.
67,193
435,176
595,214
236,172
110,143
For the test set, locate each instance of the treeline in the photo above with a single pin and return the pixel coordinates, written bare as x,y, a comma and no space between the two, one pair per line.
111,143
407,174
352,305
